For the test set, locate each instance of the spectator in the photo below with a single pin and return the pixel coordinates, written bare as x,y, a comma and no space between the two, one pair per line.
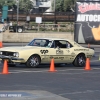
57,44
68,45
5,26
10,24
1,27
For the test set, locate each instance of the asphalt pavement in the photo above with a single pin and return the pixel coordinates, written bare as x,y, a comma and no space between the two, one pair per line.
67,83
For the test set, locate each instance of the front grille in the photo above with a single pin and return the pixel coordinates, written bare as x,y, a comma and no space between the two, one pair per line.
6,53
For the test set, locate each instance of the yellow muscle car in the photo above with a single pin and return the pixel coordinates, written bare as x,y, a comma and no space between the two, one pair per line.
42,50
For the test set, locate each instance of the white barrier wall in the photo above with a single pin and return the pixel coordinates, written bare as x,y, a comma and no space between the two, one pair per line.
26,37
1,37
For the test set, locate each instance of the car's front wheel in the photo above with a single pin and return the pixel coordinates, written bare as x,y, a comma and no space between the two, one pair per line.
33,61
80,60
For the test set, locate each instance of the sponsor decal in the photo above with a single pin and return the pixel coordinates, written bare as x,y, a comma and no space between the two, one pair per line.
44,51
71,58
72,53
89,56
68,51
44,58
87,22
51,57
84,7
59,52
88,17
61,58
81,49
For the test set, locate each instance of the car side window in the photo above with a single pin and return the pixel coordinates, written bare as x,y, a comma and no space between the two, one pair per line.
49,44
68,45
62,44
53,44
56,44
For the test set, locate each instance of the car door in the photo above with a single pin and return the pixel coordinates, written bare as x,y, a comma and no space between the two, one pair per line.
52,52
57,52
68,53
64,52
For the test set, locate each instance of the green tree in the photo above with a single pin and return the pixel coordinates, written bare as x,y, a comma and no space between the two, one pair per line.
9,3
64,5
25,5
58,5
1,3
69,4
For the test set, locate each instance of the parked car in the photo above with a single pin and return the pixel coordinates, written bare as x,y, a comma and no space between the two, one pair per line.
42,50
16,28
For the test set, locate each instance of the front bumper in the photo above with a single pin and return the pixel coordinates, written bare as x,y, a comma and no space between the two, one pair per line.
11,59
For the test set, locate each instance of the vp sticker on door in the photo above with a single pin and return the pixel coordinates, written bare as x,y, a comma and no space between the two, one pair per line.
59,52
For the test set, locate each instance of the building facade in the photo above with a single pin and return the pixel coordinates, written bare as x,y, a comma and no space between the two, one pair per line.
42,6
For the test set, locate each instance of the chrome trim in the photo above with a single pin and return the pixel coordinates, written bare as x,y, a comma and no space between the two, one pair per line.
10,57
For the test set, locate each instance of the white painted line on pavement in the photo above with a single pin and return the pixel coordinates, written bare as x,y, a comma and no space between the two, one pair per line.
21,71
80,92
16,71
94,60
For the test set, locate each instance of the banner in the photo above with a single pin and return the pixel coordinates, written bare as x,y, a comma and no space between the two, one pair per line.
87,22
5,12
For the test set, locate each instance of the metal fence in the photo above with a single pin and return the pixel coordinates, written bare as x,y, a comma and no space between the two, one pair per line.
67,27
51,16
52,22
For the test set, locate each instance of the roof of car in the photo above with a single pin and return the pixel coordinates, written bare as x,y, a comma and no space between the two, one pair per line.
55,39
71,41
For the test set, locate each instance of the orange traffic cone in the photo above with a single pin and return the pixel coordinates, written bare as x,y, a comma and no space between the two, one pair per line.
5,68
1,45
52,66
87,66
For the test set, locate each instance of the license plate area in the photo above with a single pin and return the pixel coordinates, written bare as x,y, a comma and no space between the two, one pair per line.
6,60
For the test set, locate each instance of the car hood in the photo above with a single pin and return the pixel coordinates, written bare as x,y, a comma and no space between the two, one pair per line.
19,48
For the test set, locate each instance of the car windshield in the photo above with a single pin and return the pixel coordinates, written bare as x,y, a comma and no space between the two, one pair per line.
40,43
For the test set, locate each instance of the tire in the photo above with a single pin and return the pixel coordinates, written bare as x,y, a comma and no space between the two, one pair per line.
80,61
19,30
33,61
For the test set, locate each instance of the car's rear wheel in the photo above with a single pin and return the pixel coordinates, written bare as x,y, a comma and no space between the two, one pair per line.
80,60
33,61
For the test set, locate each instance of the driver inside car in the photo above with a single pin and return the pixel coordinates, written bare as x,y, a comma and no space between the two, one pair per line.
57,44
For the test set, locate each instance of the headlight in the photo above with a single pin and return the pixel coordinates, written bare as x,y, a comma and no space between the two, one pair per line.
16,54
0,52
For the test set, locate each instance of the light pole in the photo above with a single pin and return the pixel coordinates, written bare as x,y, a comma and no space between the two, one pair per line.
54,12
17,11
17,1
54,5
